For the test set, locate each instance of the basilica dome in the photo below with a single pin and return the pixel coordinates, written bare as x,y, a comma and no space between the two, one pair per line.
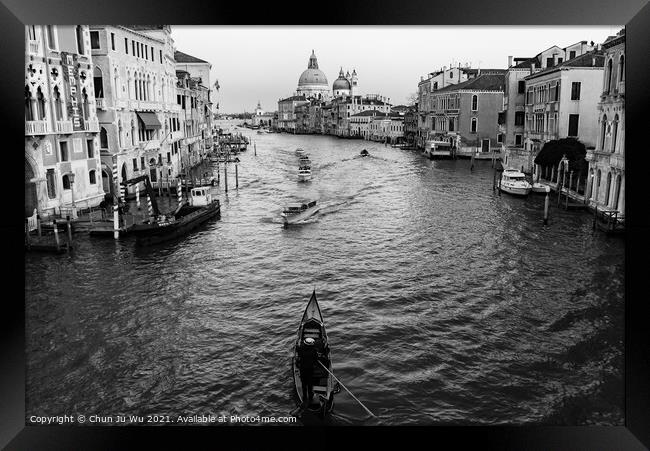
312,75
341,83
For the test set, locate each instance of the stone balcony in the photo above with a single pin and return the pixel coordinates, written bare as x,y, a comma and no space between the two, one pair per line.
100,103
64,126
617,161
36,128
92,126
34,47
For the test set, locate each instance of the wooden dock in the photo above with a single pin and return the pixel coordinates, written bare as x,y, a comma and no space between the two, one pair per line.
48,237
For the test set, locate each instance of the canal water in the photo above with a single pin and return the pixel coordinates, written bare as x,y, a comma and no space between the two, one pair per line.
444,302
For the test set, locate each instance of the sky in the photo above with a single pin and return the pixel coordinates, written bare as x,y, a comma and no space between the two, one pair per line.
263,63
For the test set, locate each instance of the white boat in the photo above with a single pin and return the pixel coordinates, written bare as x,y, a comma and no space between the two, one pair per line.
300,151
304,173
539,188
299,212
514,182
304,160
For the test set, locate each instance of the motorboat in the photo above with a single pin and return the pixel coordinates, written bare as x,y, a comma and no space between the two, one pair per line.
299,212
304,173
364,153
514,182
539,188
300,151
304,159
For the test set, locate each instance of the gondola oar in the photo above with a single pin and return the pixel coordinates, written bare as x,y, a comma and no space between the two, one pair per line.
341,383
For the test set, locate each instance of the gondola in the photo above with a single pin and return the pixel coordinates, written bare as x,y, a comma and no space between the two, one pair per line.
311,325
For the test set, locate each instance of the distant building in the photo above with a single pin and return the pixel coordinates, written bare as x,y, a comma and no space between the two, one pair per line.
62,140
312,83
606,184
261,118
286,112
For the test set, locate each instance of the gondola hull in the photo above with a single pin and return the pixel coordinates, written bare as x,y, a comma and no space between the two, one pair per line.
312,325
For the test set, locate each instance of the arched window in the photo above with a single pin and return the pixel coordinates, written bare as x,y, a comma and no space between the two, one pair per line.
80,39
98,81
474,125
618,192
607,187
124,175
29,105
92,177
40,105
474,102
621,68
597,185
609,76
103,138
614,133
132,133
85,108
66,181
603,132
58,104
119,133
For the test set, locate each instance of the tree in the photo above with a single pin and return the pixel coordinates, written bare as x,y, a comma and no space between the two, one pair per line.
412,99
553,151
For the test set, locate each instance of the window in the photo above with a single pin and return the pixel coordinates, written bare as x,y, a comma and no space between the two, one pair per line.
572,54
142,162
500,138
549,62
133,47
621,69
92,177
135,164
521,87
103,139
90,146
51,41
519,118
609,77
517,140
126,46
160,56
575,90
473,126
152,57
573,125
66,181
557,92
58,104
31,29
559,60
451,75
80,39
94,39
145,51
169,157
474,102
63,145
51,184
113,41
603,132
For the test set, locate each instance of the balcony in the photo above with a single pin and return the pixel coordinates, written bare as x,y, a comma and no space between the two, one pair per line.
144,105
617,161
91,126
150,145
101,104
36,128
34,47
64,126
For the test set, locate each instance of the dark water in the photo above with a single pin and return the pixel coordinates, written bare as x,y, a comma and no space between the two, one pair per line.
444,302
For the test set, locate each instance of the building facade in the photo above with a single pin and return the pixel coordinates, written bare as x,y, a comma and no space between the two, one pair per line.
606,183
140,119
62,158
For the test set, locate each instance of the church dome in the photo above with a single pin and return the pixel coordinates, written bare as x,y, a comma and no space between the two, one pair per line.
341,83
312,75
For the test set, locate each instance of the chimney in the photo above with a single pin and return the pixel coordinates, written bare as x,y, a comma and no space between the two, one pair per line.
532,67
510,61
554,59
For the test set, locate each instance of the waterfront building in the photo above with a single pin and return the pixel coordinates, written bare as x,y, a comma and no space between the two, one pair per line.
260,117
437,80
387,127
411,125
512,116
197,142
561,102
465,114
62,158
286,112
140,119
606,184
360,123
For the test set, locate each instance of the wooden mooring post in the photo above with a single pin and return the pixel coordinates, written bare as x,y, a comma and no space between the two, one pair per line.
27,238
225,176
236,176
38,224
69,227
546,204
56,235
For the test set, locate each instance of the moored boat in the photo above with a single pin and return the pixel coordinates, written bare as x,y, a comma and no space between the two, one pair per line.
324,387
514,182
539,188
187,217
299,212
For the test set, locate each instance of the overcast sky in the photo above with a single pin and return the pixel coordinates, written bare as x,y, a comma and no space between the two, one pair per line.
264,63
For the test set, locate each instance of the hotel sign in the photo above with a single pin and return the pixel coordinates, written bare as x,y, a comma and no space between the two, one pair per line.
73,89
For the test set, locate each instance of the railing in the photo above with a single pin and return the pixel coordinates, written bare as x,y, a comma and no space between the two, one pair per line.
101,104
91,126
64,126
36,128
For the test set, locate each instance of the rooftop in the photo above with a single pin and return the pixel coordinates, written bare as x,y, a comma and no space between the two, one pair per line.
491,81
181,57
594,58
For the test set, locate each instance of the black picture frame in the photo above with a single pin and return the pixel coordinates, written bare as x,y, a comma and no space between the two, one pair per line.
635,14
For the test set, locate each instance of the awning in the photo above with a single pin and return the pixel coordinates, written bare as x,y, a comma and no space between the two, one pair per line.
149,119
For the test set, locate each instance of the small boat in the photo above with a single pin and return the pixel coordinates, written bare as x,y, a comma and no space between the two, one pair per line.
186,217
539,188
304,159
304,173
299,212
514,182
364,153
312,326
300,151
